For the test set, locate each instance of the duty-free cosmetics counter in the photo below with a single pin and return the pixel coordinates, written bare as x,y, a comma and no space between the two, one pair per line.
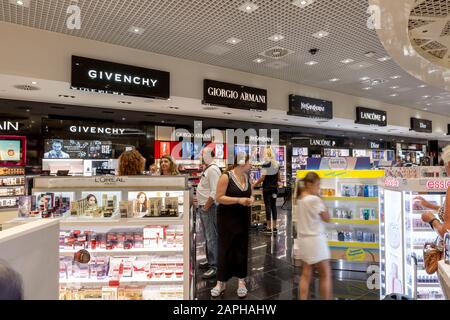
136,230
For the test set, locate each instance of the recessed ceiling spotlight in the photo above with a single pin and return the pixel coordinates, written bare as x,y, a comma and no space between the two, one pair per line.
259,60
394,95
395,77
302,3
423,86
386,58
425,109
347,61
227,113
21,3
66,96
34,82
311,63
429,104
174,108
367,88
364,78
370,54
28,110
123,119
426,97
248,7
276,37
233,41
321,34
136,30
432,71
394,87
334,80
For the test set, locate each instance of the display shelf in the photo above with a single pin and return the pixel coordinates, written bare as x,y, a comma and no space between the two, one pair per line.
354,221
121,221
351,244
134,251
122,281
365,199
430,285
424,230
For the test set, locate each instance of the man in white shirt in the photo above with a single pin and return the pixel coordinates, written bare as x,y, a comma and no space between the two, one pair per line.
206,194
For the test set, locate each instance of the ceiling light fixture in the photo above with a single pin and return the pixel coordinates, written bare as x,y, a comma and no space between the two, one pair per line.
276,37
321,34
311,63
233,40
334,80
347,61
426,97
395,77
386,58
370,54
423,86
34,82
248,7
367,88
302,3
394,95
259,60
136,30
425,109
394,87
364,78
21,3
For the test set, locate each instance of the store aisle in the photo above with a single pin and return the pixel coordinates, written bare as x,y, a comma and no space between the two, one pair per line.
272,275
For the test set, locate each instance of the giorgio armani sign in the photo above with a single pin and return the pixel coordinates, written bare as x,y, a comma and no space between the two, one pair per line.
234,96
371,117
310,108
108,77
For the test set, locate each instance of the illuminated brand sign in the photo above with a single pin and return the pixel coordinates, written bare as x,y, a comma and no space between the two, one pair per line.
337,163
310,108
234,96
206,136
108,77
97,130
109,180
371,117
438,184
421,125
392,183
322,142
259,139
9,126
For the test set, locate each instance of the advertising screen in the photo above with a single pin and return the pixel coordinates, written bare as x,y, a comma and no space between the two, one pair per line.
77,149
10,150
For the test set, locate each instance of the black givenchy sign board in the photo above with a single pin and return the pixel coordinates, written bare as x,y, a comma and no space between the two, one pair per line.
108,77
371,117
310,107
234,95
421,125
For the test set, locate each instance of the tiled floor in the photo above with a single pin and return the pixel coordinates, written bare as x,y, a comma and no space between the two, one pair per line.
272,275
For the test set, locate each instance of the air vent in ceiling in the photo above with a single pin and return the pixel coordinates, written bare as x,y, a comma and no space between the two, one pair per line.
26,87
276,53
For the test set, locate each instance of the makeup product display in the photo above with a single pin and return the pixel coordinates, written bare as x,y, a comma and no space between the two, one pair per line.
351,198
403,234
136,231
12,186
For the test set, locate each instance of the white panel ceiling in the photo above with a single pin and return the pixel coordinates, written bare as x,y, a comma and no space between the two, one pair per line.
199,29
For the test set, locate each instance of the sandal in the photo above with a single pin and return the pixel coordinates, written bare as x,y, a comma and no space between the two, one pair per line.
216,292
242,292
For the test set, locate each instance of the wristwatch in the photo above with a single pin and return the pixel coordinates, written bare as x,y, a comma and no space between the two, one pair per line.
431,222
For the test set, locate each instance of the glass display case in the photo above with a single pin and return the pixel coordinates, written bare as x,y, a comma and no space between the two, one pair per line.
136,230
351,197
404,234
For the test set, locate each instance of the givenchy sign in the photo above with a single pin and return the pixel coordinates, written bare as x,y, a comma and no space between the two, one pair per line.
97,130
371,117
234,96
421,125
310,108
107,77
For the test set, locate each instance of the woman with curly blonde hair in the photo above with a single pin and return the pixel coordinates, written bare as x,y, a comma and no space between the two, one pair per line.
168,167
131,163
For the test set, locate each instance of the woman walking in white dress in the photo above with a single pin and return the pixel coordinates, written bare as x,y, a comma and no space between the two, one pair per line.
311,242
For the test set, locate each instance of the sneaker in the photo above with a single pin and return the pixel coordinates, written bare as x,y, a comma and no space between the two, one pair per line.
211,273
204,265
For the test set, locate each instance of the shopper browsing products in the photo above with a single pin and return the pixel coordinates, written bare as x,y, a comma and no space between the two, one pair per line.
207,209
270,178
11,284
131,163
168,167
234,195
311,241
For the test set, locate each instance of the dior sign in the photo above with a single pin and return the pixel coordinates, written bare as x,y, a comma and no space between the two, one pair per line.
421,125
108,77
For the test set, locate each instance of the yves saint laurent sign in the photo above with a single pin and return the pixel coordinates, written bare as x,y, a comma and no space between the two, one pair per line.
107,77
421,125
371,117
310,107
234,96
322,142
